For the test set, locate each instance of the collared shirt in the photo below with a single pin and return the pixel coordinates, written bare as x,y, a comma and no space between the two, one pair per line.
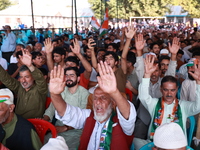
9,43
187,108
76,118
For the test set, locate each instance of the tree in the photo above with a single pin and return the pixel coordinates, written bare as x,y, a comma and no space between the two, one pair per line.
190,6
128,8
4,4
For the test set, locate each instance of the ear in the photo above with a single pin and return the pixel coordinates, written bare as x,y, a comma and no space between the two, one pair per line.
116,63
78,79
11,107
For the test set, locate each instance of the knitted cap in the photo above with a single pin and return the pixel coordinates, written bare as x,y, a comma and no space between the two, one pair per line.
169,136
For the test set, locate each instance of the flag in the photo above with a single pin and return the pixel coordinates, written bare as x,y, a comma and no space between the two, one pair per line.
94,23
104,26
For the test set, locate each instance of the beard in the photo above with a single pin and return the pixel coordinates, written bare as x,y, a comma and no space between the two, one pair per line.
72,84
104,116
190,77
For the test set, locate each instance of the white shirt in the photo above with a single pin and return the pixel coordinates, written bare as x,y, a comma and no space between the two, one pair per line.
4,63
13,59
76,117
188,89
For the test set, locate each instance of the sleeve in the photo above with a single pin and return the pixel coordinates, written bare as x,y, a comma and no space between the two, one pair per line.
127,125
192,107
171,68
183,95
147,101
139,68
35,140
74,116
8,81
40,81
50,111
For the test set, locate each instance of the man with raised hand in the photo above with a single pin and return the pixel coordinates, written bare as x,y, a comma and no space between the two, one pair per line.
97,124
167,108
30,88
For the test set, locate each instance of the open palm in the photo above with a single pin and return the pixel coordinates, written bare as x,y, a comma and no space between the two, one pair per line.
56,83
107,79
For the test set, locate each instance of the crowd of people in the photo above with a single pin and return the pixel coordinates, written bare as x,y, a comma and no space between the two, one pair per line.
106,92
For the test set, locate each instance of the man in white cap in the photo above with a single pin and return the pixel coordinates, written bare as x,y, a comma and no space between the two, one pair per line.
15,131
169,136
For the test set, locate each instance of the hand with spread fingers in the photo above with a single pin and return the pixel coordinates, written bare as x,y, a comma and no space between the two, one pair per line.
150,67
57,83
130,32
48,45
139,42
107,79
196,74
175,46
76,49
26,57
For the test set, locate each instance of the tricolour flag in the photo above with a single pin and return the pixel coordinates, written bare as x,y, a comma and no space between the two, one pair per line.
94,23
104,26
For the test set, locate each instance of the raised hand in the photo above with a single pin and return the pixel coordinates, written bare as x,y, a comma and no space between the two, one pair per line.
91,44
76,50
150,67
57,83
130,32
139,42
107,79
175,46
48,45
26,57
196,74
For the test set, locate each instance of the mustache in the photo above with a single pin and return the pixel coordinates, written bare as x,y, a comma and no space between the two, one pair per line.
169,96
69,80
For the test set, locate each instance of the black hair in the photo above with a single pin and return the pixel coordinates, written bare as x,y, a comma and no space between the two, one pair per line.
131,57
115,56
76,70
72,59
59,50
180,52
196,53
152,45
169,79
35,54
163,57
114,45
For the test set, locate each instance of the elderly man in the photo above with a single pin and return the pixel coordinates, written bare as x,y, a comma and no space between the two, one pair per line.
103,129
167,108
31,89
16,133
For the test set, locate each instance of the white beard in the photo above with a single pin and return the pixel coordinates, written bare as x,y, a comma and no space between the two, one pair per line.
103,117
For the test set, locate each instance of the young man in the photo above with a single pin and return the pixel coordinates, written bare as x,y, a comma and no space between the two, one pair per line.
98,123
75,95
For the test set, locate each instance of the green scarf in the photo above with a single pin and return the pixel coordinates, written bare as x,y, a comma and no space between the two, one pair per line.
159,113
106,134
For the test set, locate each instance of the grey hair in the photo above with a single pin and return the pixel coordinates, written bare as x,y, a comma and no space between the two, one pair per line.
23,68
